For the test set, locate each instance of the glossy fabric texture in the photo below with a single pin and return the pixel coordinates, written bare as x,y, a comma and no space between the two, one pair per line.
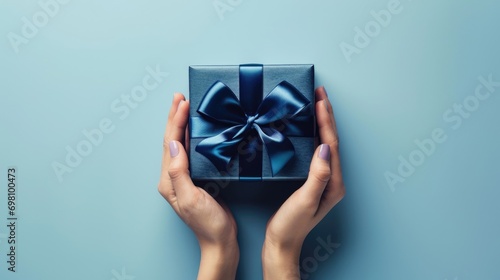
221,108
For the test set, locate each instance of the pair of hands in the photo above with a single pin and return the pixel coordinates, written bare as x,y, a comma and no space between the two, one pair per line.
212,221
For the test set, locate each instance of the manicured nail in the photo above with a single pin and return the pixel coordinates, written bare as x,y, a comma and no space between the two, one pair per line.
174,150
324,152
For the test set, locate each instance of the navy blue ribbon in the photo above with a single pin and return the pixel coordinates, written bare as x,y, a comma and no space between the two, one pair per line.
233,126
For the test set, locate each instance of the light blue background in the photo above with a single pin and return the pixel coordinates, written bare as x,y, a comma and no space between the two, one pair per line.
440,223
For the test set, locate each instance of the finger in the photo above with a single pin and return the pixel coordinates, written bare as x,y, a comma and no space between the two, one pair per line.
175,102
335,189
319,175
327,128
178,97
178,170
176,120
326,120
186,140
179,122
320,93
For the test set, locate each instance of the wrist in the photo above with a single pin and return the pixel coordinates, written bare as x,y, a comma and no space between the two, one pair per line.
219,261
280,261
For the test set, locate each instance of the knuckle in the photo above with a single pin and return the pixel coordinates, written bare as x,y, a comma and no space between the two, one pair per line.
321,174
175,172
166,142
166,192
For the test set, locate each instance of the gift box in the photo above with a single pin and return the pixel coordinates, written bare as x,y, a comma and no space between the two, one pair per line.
251,122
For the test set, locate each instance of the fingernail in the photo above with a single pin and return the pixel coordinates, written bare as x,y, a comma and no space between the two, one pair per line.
324,152
324,89
178,106
325,102
174,150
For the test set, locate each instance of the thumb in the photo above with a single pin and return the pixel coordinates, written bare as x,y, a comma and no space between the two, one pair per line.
178,169
319,172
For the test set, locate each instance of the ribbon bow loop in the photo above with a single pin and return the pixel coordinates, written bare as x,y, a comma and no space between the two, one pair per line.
221,105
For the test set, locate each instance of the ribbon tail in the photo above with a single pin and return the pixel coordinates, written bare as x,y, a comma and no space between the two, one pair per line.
279,148
221,148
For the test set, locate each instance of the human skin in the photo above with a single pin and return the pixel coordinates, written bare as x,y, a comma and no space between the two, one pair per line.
212,221
306,207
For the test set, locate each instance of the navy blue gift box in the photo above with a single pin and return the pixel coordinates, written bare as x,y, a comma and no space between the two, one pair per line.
251,122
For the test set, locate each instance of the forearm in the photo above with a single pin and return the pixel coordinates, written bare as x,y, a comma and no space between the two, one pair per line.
218,262
280,263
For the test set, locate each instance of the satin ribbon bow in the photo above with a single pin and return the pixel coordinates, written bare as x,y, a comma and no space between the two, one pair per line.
220,105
